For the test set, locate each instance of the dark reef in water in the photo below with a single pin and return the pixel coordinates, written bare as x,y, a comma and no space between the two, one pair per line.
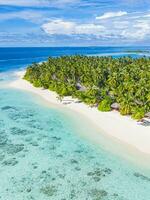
14,148
98,194
19,131
8,108
138,175
98,174
49,190
10,162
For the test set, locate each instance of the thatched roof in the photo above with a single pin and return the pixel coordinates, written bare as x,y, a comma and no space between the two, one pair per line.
80,87
115,106
147,115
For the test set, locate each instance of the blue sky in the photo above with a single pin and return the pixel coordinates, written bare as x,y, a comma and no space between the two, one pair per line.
74,22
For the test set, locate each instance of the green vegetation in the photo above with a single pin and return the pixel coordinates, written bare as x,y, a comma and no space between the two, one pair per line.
97,81
105,105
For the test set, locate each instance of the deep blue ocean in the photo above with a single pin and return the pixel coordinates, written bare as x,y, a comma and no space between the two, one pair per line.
14,58
44,151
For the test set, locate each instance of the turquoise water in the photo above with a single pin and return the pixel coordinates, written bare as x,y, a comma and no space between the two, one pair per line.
44,156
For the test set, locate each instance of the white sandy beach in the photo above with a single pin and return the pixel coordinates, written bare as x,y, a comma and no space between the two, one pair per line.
112,123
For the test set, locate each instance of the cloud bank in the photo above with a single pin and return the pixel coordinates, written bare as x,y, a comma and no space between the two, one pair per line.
61,27
85,21
116,25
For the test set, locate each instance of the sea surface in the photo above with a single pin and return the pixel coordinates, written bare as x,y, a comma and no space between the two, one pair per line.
43,154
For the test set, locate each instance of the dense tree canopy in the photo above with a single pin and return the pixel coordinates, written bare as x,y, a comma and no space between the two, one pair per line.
97,81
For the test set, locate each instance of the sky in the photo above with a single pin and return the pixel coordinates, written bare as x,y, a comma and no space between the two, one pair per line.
74,23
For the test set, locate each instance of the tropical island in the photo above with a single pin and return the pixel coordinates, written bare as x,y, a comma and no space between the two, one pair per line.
105,92
103,82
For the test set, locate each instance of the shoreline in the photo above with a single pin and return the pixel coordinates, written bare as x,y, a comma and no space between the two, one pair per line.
122,128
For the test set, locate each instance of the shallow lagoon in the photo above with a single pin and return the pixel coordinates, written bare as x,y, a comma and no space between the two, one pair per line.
42,156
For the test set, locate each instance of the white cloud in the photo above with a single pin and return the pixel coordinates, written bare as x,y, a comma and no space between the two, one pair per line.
131,27
22,2
148,15
61,27
121,24
36,3
138,31
111,15
28,15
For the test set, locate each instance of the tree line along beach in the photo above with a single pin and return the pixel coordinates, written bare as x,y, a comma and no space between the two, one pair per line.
104,85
